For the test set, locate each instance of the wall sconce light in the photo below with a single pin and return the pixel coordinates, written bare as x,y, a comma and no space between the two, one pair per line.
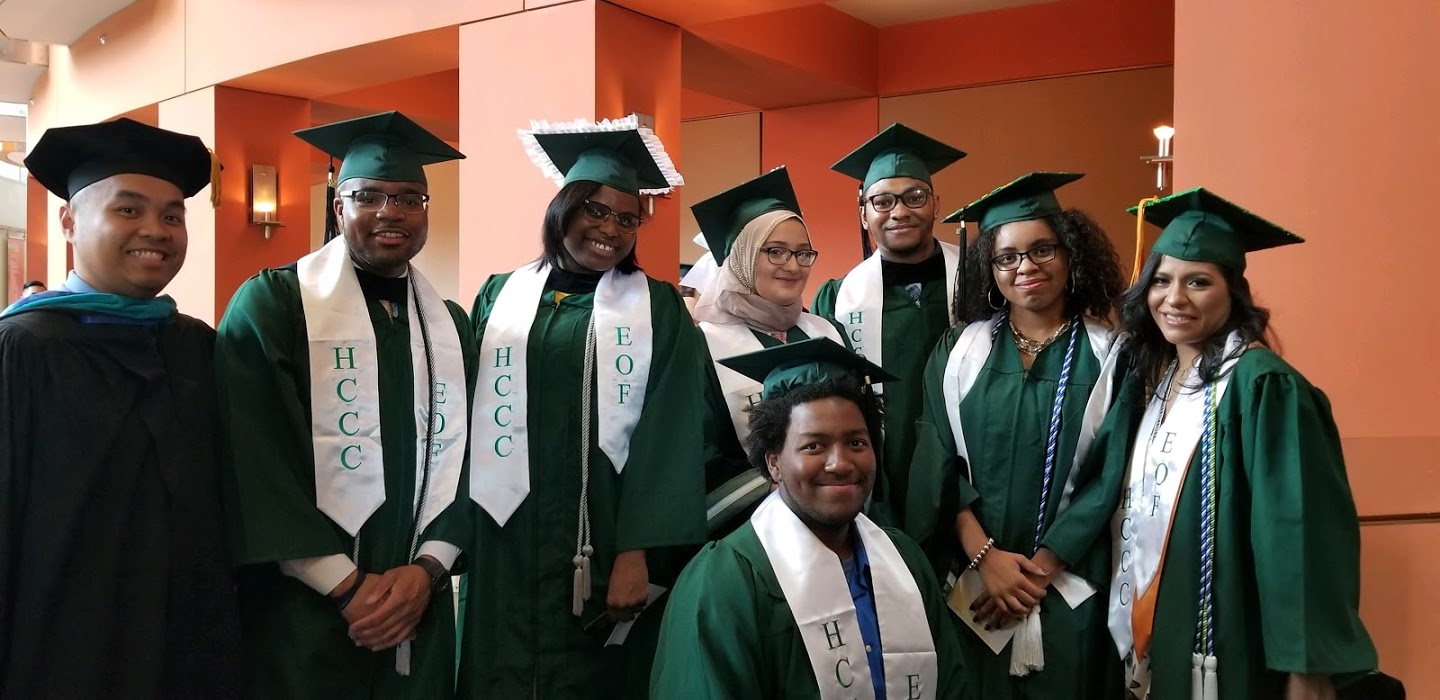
1164,157
264,197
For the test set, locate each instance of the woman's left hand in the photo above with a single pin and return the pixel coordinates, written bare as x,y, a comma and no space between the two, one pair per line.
629,585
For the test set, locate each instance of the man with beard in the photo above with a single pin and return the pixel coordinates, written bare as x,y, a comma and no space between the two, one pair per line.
344,381
895,305
113,575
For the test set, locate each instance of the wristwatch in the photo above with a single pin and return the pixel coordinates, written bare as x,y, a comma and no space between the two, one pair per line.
439,576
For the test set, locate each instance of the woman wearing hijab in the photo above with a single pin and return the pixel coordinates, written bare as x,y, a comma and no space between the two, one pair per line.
1012,403
753,301
585,442
1236,545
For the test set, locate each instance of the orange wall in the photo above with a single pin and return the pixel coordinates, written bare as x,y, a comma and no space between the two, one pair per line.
808,140
1096,124
1065,37
637,69
597,61
1338,146
253,128
720,153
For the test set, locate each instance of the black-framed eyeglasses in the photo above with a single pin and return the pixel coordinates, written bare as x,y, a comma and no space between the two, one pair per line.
598,213
1040,254
370,200
779,256
914,198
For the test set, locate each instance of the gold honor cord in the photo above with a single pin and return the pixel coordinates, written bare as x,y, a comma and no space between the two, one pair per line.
1140,237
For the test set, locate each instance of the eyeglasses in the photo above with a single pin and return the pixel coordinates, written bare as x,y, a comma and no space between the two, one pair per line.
1040,254
369,200
914,198
598,213
780,256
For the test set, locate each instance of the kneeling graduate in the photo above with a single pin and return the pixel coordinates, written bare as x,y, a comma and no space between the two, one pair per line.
810,599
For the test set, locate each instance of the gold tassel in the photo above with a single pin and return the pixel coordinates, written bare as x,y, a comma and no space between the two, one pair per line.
1140,237
215,168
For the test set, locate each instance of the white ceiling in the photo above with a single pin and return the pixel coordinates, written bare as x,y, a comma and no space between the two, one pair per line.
888,13
42,20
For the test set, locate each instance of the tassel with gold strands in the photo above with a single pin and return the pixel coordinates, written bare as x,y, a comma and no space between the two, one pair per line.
1140,237
332,227
215,168
958,311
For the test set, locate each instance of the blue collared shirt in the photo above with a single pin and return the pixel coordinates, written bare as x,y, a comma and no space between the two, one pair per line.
857,577
73,283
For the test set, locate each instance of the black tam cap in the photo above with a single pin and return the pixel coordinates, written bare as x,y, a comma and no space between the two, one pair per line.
69,159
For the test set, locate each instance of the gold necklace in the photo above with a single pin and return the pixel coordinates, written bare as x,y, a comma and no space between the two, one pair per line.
1033,347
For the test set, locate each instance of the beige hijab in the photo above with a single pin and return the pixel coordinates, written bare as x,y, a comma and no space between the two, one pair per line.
732,297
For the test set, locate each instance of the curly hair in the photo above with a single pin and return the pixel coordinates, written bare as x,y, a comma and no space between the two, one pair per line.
561,210
770,418
1094,266
1150,354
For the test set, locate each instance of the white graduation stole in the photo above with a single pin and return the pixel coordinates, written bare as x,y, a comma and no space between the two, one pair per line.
814,585
731,339
962,368
500,462
345,392
1141,525
860,304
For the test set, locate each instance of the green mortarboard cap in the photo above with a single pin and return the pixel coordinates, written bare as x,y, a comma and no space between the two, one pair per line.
1200,226
1028,197
68,159
723,216
898,151
386,146
785,367
618,153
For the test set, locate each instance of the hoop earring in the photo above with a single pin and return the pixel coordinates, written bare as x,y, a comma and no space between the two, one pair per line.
990,298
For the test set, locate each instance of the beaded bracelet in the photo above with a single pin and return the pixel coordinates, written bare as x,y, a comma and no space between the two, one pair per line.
983,551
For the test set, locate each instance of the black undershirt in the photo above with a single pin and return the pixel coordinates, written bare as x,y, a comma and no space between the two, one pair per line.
567,282
898,274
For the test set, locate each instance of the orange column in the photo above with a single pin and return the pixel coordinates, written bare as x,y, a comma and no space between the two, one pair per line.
808,140
244,128
1339,146
584,59
37,231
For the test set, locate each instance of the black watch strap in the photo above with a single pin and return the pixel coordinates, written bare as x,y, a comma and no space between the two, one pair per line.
439,576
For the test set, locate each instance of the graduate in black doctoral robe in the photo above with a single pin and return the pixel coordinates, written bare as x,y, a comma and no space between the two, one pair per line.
113,577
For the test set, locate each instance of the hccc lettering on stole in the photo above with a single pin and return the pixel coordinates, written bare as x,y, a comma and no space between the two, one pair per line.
350,421
854,321
503,415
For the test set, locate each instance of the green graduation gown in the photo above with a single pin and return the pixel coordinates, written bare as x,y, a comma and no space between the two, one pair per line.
729,633
910,330
297,643
519,638
1006,416
1287,560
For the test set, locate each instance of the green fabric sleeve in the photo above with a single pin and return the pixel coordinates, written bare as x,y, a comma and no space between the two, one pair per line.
267,460
1099,483
662,498
825,300
938,490
1304,531
710,640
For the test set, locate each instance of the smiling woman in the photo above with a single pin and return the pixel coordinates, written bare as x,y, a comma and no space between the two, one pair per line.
586,462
